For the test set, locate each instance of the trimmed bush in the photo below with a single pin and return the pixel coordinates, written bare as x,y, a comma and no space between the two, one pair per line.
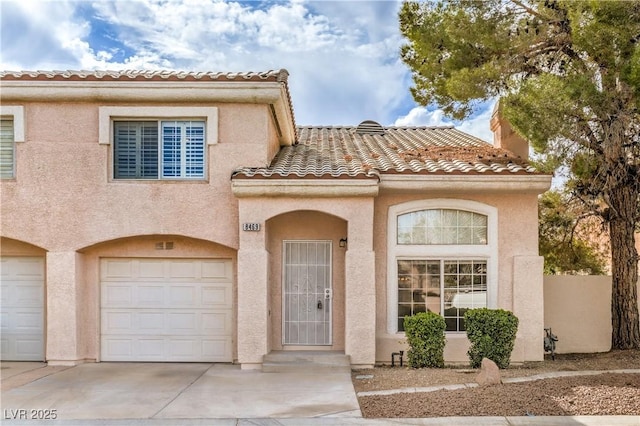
492,333
425,336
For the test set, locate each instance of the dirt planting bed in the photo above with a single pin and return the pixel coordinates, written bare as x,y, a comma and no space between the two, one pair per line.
603,394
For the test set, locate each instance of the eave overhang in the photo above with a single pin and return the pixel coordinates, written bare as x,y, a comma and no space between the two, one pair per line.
311,188
154,92
452,184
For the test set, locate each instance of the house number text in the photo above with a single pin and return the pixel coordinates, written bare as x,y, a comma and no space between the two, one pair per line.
250,226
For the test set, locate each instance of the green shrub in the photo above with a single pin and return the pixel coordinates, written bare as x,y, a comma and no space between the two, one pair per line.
425,336
492,333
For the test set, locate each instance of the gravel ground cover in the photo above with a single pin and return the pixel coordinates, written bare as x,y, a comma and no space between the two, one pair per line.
605,394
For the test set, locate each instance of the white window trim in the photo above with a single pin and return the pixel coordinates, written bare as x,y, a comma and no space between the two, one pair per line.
106,115
395,251
17,112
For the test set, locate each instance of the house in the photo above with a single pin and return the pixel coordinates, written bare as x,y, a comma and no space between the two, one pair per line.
179,216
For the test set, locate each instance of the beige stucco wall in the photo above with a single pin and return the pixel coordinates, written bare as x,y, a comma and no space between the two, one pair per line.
64,199
519,271
578,309
10,247
64,203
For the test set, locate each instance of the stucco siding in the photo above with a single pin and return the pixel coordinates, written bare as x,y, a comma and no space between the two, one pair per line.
64,197
578,310
517,237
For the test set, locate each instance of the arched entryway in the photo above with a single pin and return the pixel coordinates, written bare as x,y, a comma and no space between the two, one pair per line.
306,280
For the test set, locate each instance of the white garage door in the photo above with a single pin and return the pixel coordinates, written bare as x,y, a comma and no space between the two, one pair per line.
22,308
166,310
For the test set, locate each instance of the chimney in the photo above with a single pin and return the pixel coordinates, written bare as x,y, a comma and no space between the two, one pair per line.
505,137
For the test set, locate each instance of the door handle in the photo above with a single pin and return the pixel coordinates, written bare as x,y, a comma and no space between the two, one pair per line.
319,304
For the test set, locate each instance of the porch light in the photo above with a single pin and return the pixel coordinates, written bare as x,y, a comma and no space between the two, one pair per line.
343,242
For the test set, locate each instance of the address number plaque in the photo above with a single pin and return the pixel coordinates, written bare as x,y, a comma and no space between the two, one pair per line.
250,226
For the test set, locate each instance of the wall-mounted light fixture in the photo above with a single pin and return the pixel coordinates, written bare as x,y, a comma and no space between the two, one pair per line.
343,242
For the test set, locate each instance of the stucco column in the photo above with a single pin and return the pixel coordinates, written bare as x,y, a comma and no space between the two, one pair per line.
528,306
253,304
360,308
64,272
360,290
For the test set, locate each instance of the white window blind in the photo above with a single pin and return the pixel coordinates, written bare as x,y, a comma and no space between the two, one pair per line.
153,150
7,149
182,149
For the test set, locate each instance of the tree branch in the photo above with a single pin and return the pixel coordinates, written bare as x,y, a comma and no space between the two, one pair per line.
528,9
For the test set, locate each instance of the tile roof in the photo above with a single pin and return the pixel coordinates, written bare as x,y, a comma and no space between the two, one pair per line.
280,76
144,75
346,152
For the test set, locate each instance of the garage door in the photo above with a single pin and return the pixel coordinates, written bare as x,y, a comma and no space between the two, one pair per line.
166,310
22,309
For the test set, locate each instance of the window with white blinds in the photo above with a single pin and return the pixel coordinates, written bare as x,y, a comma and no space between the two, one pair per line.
159,149
7,149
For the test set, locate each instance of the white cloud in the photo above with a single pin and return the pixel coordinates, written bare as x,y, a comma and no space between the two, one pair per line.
421,116
343,56
477,125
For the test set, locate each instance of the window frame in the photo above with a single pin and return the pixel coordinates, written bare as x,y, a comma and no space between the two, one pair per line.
15,113
441,252
162,151
108,115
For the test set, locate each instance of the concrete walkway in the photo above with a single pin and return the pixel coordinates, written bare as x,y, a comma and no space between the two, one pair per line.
174,391
157,394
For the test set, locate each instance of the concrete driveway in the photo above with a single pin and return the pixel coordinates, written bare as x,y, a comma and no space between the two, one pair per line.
172,391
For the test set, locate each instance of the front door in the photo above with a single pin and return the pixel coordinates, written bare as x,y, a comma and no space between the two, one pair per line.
306,293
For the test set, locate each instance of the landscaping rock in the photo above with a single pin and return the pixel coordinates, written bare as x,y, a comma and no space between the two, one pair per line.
489,373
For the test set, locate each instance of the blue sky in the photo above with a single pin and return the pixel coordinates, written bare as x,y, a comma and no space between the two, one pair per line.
342,56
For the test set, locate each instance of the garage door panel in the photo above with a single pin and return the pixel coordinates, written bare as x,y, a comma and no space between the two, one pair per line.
29,293
178,269
149,268
113,269
182,323
117,295
167,310
22,268
150,322
117,322
22,309
117,348
216,323
29,320
217,270
149,295
141,348
216,295
184,295
166,323
216,348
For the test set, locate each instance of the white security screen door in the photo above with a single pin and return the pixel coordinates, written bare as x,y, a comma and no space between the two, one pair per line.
307,293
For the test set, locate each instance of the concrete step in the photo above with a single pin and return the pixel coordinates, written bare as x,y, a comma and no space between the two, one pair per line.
291,361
